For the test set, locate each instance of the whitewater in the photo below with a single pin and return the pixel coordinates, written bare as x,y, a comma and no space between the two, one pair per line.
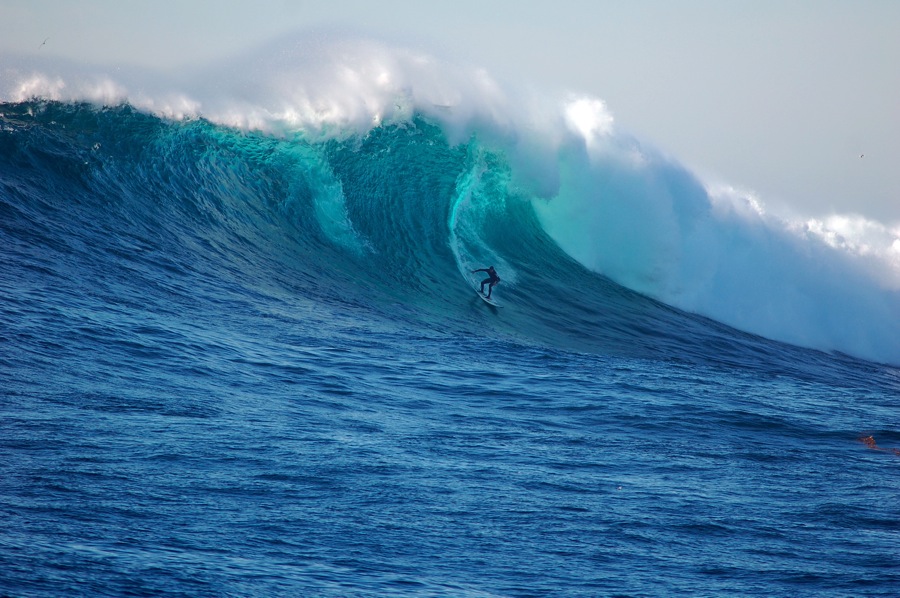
240,352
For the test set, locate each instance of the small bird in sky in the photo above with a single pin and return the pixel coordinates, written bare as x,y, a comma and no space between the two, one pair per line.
43,43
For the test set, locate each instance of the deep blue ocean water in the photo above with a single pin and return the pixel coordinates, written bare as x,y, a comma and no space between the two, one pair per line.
240,364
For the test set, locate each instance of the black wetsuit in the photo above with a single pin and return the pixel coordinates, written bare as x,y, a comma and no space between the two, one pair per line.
491,280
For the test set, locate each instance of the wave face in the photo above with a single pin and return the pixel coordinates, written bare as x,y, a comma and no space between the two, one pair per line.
393,163
395,220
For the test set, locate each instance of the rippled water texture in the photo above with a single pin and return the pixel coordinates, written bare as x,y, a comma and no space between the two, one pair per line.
235,364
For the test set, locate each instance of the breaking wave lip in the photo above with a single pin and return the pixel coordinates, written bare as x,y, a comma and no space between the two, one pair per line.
615,204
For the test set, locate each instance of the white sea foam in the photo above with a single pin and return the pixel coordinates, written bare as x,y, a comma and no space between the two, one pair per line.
641,219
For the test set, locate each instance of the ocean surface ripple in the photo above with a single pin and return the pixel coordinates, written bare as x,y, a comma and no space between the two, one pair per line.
251,364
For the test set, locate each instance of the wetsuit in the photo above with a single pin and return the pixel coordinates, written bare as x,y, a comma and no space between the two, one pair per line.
491,280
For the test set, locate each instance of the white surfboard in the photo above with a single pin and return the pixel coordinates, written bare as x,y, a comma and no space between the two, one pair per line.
484,298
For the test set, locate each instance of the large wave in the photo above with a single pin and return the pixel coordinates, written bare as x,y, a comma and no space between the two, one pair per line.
498,174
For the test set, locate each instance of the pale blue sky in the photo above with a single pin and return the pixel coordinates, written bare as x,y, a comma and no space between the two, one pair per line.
778,97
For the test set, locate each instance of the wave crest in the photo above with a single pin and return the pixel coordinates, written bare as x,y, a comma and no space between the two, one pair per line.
615,204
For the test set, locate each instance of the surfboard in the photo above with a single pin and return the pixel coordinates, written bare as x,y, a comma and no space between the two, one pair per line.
490,301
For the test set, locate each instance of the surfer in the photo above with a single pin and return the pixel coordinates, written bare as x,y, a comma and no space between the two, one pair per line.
491,280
